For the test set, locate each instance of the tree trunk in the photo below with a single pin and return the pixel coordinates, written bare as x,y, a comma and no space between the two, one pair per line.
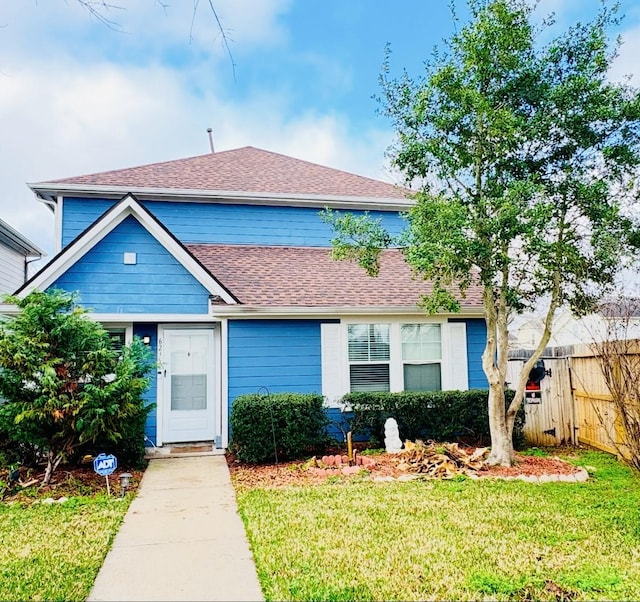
501,428
53,461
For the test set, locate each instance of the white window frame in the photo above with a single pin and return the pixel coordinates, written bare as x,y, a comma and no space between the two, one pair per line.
396,363
369,362
127,326
335,350
421,362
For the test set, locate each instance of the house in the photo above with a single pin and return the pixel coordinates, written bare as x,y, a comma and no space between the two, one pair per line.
613,319
16,252
222,265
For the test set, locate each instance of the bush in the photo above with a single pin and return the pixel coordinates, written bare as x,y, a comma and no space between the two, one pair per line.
297,421
64,387
438,415
125,439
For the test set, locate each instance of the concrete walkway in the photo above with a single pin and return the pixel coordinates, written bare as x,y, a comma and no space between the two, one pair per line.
182,539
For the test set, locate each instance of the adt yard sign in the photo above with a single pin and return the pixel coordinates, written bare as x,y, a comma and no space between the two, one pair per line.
105,464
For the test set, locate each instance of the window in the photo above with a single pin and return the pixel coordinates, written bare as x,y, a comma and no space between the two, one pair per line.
118,337
369,357
422,357
400,354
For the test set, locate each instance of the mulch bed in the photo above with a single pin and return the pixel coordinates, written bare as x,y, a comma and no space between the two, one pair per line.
285,474
70,481
67,481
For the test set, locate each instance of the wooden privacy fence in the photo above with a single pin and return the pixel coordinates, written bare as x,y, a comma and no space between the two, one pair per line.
575,405
550,419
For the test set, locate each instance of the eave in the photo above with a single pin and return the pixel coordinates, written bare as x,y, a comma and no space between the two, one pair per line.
13,239
49,192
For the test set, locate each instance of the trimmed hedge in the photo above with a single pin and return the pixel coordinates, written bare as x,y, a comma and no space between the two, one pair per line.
297,420
438,415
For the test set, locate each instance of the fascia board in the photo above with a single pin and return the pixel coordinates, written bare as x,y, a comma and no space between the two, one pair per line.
254,312
95,233
13,239
65,259
152,318
51,189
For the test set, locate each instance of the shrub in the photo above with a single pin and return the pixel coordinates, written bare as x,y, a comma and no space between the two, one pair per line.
438,415
64,387
297,421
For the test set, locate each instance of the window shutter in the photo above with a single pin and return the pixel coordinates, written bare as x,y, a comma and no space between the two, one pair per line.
458,356
332,363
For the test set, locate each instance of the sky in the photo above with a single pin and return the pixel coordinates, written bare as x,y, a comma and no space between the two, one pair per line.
80,96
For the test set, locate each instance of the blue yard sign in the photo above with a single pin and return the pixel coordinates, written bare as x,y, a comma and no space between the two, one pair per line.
105,464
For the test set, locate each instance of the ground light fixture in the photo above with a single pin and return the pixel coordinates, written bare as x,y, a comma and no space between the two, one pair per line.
125,479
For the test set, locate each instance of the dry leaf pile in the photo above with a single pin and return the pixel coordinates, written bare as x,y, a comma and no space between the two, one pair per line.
440,460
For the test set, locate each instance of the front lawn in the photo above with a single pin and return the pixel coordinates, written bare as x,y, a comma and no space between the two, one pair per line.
54,552
449,540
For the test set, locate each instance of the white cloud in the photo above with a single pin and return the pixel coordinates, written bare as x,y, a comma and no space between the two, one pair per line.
71,120
77,97
29,27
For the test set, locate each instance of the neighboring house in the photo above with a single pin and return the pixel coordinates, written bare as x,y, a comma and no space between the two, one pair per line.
16,252
614,319
222,264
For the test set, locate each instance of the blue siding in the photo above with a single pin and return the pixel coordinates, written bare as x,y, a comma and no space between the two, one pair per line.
223,223
281,355
151,395
157,283
476,340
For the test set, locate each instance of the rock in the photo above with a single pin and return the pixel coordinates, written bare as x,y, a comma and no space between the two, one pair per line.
582,476
350,470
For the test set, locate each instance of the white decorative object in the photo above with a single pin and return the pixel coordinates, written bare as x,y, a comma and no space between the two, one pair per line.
392,436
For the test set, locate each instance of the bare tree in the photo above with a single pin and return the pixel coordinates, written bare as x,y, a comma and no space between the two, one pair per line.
102,11
617,350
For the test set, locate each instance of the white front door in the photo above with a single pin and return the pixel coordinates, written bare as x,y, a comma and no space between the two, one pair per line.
188,395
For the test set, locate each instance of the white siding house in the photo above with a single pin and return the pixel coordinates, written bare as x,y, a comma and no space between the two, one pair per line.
15,253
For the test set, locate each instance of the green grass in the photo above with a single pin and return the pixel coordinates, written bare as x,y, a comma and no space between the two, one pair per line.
460,540
54,552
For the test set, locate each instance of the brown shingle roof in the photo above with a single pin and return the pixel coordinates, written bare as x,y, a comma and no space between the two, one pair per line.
247,170
308,277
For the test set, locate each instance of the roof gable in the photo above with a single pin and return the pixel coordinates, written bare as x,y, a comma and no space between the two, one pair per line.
128,206
247,170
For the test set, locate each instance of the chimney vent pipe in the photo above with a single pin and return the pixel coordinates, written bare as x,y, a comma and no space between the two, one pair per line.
210,132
